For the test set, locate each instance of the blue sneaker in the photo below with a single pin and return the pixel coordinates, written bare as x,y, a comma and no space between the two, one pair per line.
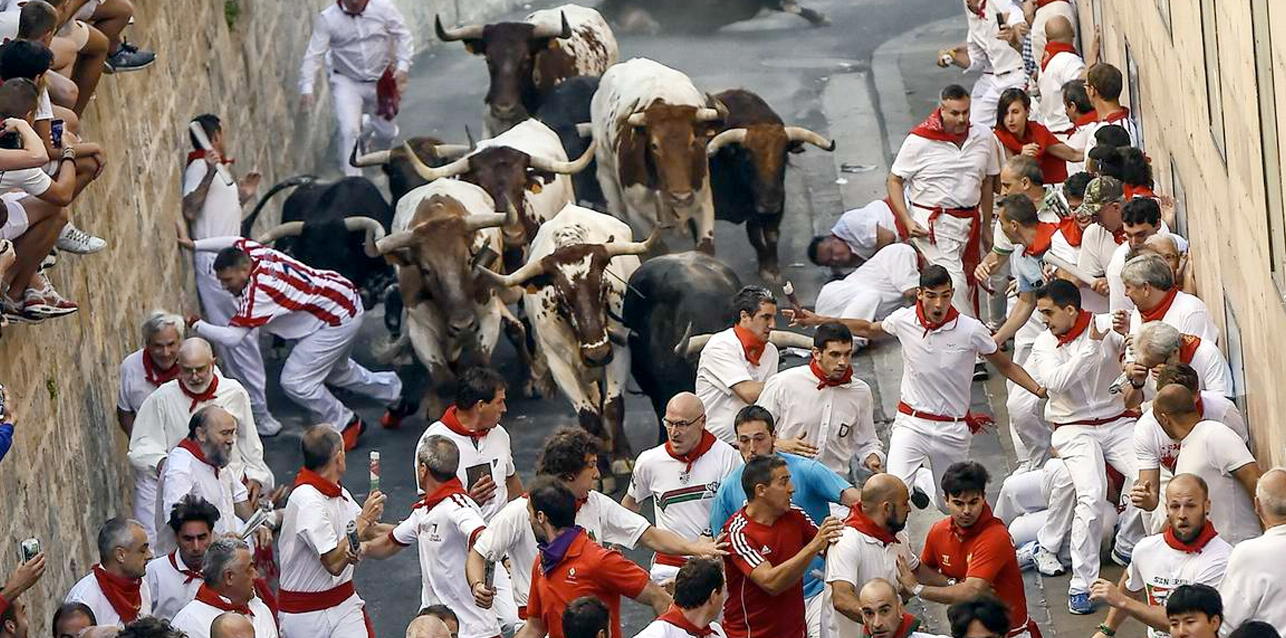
1079,604
1027,555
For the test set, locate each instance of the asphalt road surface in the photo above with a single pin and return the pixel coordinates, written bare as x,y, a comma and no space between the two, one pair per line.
777,56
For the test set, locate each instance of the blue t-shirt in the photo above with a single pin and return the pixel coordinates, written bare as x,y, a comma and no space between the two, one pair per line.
816,487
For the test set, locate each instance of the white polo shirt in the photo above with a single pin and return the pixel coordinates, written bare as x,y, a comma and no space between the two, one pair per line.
1212,371
509,534
939,173
662,629
1188,314
1078,375
1253,588
857,227
186,474
838,420
684,493
1062,68
1157,569
856,559
443,534
1213,452
87,591
1117,299
221,211
875,289
195,619
987,52
723,364
492,450
937,368
313,525
1154,449
1098,244
135,388
173,588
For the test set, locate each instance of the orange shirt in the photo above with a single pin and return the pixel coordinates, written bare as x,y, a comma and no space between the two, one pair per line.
587,569
982,551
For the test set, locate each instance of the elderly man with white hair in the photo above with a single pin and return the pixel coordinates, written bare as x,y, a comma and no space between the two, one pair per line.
149,367
229,574
1253,587
1149,283
1158,343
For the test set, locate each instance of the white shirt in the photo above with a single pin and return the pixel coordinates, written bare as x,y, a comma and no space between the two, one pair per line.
33,181
1157,569
1098,244
1116,298
937,368
1039,41
684,494
1154,449
1213,452
173,588
838,420
941,174
509,534
875,289
358,47
87,591
221,211
1253,588
662,629
987,52
856,559
492,450
195,619
135,388
1078,375
1126,123
313,525
443,535
723,364
1188,314
186,474
857,227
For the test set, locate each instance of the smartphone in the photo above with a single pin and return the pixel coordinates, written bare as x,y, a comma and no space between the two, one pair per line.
28,549
1000,20
489,577
56,133
474,473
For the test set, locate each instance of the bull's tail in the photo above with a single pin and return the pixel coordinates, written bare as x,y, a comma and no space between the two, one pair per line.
299,180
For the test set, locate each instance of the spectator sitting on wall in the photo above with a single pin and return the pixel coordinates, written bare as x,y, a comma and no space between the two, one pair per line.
38,22
22,579
95,27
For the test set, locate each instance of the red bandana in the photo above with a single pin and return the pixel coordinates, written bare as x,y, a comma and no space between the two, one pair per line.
1041,4
190,574
751,344
858,520
1054,48
932,129
200,155
158,377
199,398
909,625
1118,235
195,449
952,315
1195,545
703,446
824,381
1188,345
1085,120
1130,191
1157,313
123,594
1044,239
326,487
1078,328
1053,168
451,419
1117,116
1072,231
675,617
213,599
444,491
985,520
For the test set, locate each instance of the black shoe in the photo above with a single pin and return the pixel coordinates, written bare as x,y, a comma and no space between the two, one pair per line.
403,408
980,372
919,499
128,58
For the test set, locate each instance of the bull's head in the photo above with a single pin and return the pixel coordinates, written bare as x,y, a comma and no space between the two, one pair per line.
440,243
580,290
397,167
510,49
665,144
764,148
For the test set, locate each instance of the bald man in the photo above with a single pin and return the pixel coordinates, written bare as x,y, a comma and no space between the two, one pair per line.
1253,588
873,539
427,627
162,422
1041,39
683,475
1167,246
882,614
230,624
1059,64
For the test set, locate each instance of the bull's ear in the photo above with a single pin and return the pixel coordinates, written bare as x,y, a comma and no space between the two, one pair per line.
795,147
534,284
475,46
632,160
400,257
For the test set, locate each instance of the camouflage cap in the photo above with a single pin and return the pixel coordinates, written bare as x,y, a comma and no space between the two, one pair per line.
1100,192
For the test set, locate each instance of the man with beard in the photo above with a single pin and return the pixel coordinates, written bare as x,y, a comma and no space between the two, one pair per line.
872,542
149,367
175,577
1190,551
883,615
114,589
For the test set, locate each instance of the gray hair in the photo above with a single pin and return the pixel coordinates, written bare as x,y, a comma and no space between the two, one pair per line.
160,320
1157,340
117,532
1150,269
219,557
440,455
1273,505
1023,166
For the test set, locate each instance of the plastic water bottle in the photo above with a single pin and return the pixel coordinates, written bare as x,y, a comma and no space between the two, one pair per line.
375,471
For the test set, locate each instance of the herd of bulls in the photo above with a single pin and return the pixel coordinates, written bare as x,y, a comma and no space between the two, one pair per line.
476,228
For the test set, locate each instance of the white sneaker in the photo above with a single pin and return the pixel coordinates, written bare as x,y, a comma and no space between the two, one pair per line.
267,424
74,240
1047,563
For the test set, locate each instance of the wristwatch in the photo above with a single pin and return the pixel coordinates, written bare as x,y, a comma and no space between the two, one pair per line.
915,591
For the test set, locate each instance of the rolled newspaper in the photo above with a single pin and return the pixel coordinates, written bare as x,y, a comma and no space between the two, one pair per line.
204,141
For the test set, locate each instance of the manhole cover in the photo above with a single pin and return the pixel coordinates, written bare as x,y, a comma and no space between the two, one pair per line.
844,64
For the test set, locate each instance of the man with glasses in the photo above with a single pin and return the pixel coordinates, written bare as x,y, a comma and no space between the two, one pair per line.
683,475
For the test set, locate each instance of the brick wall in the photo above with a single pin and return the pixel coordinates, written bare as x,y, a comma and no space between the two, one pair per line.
67,471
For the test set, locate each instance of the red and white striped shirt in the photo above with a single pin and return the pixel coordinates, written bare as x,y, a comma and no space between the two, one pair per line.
290,299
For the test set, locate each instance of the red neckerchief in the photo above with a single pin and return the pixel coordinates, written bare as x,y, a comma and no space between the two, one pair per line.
675,617
932,129
1188,345
751,344
444,491
1054,48
158,377
1118,235
1013,142
858,520
985,520
1072,231
1195,545
194,449
326,487
1041,4
451,419
1116,116
1078,328
909,625
1044,239
123,594
982,9
189,574
1158,312
824,381
199,154
703,446
213,599
952,315
1085,120
1131,191
202,397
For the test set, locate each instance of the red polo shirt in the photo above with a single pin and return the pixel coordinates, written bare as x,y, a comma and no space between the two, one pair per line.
982,551
751,612
587,569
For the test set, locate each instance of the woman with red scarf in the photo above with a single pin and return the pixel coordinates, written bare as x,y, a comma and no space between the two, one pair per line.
1018,135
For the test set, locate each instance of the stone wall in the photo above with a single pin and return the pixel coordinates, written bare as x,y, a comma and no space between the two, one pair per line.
67,471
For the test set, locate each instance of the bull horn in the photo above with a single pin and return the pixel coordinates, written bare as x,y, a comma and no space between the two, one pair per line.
396,241
637,119
801,134
511,214
478,221
430,173
374,232
376,158
566,168
708,114
451,151
288,229
786,339
692,345
730,136
516,278
470,32
618,248
564,32
585,130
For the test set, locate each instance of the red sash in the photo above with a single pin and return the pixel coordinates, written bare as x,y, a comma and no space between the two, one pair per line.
858,520
1194,546
703,446
451,419
1078,328
158,377
302,602
327,488
1053,169
675,617
444,491
213,599
1188,345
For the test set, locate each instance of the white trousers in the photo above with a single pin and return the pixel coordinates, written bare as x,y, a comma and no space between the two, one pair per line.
243,361
345,620
145,495
1087,451
661,573
985,97
920,451
352,100
951,235
322,359
1027,425
813,612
